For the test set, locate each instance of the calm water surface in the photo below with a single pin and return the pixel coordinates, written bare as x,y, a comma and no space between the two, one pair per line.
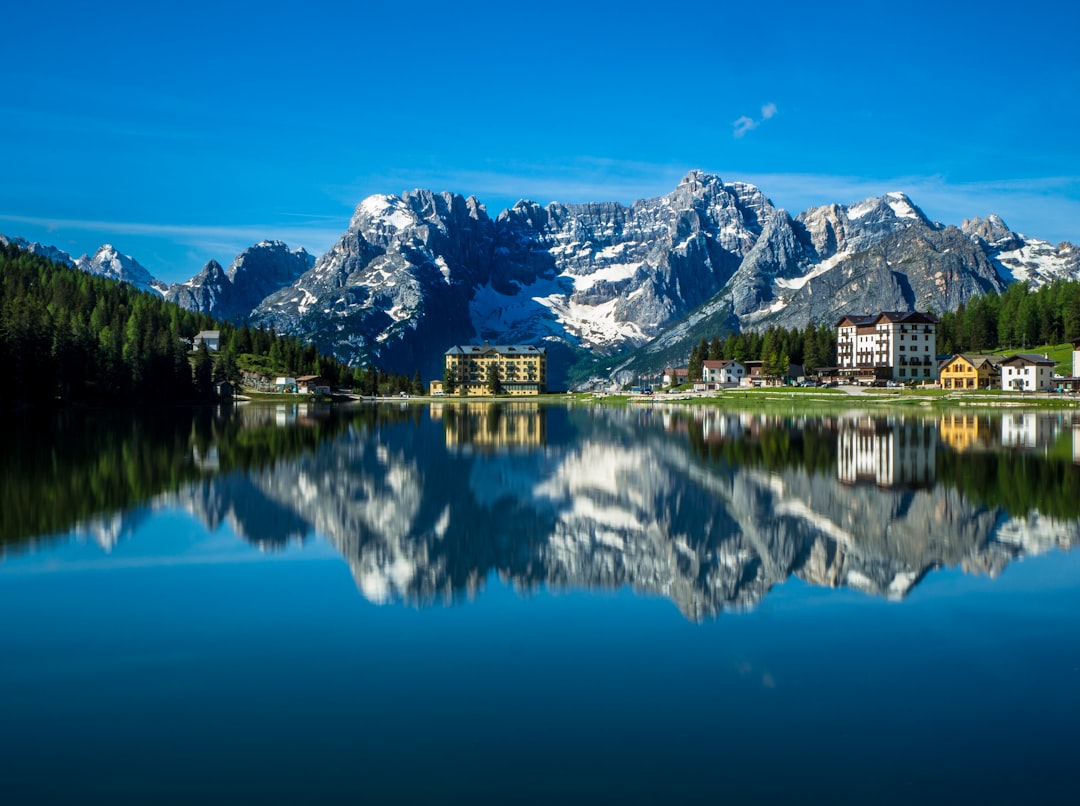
513,603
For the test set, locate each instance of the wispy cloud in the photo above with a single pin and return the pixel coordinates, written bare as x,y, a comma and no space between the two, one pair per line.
747,124
215,240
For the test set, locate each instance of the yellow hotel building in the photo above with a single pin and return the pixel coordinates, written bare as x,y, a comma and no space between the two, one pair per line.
521,369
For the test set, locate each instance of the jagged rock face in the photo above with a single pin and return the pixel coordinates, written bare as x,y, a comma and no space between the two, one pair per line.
107,262
612,276
1020,259
993,232
778,254
430,269
917,268
418,273
254,274
258,272
206,292
395,284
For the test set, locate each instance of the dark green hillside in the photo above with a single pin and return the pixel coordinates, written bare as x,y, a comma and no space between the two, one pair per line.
71,337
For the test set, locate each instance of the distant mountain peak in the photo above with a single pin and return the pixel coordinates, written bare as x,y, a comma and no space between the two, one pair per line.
108,262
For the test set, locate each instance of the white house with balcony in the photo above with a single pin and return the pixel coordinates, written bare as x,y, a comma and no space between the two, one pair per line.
888,346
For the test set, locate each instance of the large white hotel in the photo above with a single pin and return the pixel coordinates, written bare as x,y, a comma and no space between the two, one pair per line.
897,346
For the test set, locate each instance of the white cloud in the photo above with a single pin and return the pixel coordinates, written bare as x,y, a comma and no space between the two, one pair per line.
747,124
217,239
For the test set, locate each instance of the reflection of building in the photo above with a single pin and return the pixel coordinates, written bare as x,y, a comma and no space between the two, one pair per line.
971,372
719,426
1027,373
887,452
962,431
474,369
887,346
495,425
1028,429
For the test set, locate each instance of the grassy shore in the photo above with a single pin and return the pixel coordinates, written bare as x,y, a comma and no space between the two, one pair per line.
850,397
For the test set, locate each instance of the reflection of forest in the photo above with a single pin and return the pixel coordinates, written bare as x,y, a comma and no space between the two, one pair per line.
60,469
707,508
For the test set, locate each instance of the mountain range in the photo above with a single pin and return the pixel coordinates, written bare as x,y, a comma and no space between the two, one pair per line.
417,273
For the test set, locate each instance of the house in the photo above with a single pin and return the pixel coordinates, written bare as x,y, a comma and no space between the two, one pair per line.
891,345
971,371
754,374
520,369
722,372
211,338
285,385
312,385
673,376
223,390
1027,372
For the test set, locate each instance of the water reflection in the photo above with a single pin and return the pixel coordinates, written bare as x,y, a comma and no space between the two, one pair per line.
710,509
488,426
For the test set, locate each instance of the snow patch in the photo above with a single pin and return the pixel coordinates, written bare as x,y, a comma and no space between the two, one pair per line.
796,283
611,273
389,210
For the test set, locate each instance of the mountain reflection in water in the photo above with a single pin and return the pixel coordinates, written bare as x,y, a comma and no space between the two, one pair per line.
708,508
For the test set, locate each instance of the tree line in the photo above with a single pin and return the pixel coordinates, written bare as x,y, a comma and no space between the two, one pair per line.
71,337
1021,317
777,348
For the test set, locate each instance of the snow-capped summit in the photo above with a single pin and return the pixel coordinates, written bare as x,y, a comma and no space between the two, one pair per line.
107,262
1018,258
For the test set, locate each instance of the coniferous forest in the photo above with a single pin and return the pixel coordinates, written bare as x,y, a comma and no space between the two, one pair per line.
67,336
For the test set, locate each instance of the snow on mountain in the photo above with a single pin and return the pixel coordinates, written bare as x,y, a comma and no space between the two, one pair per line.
35,248
416,273
1018,258
254,274
107,262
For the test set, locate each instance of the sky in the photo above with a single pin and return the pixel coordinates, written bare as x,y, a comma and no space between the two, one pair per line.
181,133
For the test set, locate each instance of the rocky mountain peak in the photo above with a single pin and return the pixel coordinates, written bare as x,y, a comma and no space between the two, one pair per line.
993,231
108,262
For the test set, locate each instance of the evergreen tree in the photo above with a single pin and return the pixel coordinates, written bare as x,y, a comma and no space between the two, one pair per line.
493,381
696,361
203,372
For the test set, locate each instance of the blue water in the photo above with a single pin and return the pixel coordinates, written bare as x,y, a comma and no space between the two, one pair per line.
186,665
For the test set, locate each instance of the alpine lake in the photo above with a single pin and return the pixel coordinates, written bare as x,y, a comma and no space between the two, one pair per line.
517,602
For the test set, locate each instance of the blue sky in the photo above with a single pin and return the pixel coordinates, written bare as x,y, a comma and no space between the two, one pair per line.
181,133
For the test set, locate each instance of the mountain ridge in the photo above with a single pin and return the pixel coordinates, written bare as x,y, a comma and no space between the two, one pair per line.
414,274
